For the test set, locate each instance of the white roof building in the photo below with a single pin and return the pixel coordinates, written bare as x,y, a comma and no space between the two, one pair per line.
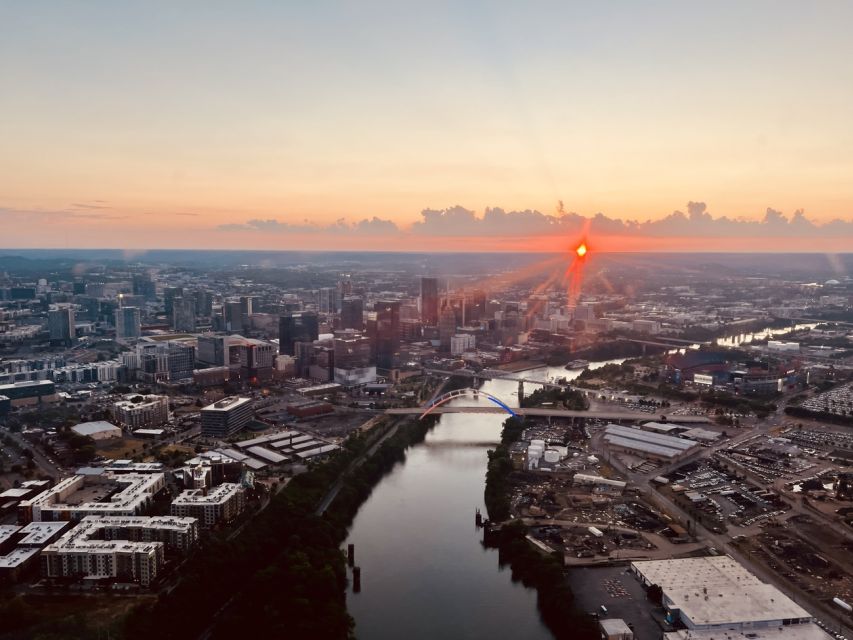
98,430
718,593
83,495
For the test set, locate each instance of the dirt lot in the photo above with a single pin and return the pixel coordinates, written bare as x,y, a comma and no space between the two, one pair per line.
121,448
809,558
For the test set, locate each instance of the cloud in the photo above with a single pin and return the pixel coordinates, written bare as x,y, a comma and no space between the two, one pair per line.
35,215
457,221
373,226
99,204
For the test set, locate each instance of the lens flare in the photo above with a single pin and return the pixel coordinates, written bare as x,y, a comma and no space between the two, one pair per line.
581,250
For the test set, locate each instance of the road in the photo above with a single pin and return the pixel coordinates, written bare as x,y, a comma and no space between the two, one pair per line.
46,466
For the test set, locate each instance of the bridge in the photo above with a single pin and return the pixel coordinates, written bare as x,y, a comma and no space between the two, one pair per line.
616,416
439,405
495,374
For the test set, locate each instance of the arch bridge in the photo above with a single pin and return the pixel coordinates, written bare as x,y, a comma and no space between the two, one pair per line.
444,398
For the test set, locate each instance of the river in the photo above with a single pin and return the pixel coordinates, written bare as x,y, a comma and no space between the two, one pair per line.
424,572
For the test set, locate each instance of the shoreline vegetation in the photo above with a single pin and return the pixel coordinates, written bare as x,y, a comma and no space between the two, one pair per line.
544,572
285,572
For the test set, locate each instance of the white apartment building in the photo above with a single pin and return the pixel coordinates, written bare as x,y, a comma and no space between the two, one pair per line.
211,506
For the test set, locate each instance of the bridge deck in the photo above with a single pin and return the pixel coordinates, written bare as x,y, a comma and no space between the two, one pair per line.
630,416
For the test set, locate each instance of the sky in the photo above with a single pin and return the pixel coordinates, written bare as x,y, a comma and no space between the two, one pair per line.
457,126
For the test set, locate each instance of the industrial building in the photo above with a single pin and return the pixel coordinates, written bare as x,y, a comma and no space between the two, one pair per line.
717,597
226,417
98,430
210,506
599,484
124,548
648,444
79,496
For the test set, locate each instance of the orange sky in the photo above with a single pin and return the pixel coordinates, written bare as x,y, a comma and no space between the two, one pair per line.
145,125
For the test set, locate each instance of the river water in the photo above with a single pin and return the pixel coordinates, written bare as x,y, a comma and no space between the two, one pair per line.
425,574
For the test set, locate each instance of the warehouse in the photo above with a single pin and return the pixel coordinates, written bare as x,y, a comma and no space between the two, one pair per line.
715,595
648,444
99,430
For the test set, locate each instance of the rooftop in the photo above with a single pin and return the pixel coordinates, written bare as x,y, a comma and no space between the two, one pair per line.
718,590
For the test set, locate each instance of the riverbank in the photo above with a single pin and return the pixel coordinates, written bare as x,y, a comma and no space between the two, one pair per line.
285,572
545,573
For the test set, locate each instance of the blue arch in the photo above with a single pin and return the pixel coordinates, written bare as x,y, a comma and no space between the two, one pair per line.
450,395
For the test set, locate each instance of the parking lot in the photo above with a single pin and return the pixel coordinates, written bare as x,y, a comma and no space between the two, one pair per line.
622,595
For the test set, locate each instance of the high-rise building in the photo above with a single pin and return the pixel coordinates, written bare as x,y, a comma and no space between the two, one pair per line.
352,313
476,306
429,301
387,333
183,313
297,327
169,295
203,303
233,312
144,286
213,350
446,327
60,323
128,323
181,358
327,300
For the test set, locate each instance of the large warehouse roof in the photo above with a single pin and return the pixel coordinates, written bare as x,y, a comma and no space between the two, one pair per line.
717,590
660,439
645,447
99,426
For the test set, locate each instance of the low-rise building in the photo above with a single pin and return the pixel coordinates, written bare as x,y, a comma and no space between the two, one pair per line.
716,596
121,548
98,430
79,496
211,506
141,412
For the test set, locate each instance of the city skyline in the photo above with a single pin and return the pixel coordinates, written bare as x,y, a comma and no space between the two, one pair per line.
276,126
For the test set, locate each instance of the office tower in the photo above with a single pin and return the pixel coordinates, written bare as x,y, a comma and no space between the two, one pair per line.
297,327
181,358
446,327
128,323
233,312
79,288
183,314
327,300
352,358
352,313
476,310
144,286
429,301
247,308
387,333
60,323
345,287
213,350
203,303
169,295
226,417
